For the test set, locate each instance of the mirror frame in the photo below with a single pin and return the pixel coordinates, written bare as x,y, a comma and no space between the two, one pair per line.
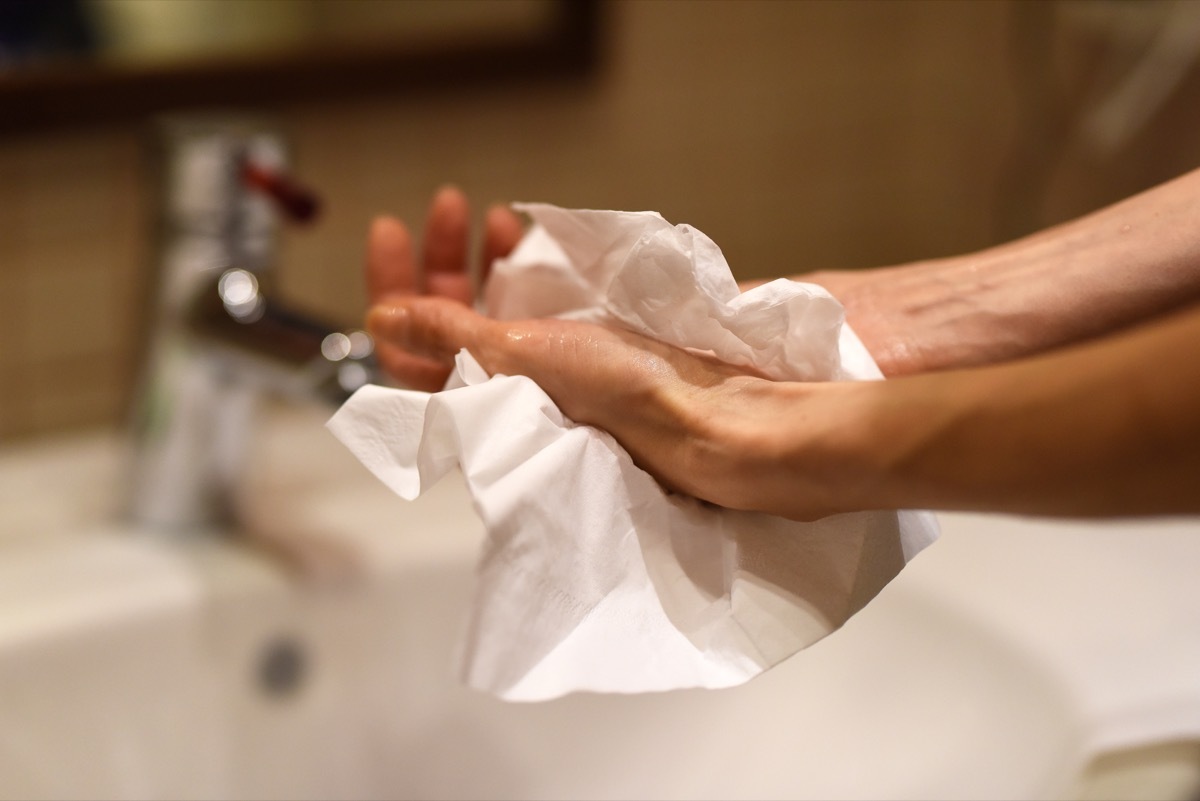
57,96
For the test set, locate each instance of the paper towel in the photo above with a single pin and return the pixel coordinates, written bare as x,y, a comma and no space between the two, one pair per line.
593,578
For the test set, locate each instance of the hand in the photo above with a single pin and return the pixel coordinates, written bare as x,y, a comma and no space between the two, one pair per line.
393,272
695,424
699,426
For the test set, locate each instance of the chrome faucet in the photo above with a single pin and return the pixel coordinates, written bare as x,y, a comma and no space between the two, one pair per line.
218,339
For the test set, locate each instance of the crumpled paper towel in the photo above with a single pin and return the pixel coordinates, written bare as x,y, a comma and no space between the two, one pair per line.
592,576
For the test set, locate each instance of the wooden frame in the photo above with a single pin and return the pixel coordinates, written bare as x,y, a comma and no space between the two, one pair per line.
73,95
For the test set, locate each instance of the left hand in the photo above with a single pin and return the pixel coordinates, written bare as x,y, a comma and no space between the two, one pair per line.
697,425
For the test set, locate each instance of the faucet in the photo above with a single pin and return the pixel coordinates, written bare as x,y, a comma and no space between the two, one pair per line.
219,340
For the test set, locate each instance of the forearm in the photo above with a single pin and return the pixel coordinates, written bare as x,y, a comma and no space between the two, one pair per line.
1111,427
1106,271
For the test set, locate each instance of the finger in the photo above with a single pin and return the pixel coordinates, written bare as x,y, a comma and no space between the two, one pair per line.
447,235
390,267
502,230
411,372
435,328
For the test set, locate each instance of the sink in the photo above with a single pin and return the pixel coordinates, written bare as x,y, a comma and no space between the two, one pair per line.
312,657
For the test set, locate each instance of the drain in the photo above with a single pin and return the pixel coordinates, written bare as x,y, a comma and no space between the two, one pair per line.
282,667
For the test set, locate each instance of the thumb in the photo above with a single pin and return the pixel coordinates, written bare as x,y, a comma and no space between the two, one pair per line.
433,327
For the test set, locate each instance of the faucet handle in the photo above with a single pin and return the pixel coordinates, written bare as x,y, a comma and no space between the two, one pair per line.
299,203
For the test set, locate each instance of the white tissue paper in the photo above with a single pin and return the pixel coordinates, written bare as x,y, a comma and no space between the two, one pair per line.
593,578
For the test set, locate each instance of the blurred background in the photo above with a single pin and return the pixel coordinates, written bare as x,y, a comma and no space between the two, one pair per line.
798,135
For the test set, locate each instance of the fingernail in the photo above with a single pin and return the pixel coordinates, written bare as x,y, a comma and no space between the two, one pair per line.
448,191
389,322
386,228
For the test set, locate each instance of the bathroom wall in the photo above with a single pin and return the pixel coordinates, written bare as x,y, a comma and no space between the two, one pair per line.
798,135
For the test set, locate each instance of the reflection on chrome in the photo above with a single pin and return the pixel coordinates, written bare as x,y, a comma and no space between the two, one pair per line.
352,375
239,292
361,345
335,347
349,349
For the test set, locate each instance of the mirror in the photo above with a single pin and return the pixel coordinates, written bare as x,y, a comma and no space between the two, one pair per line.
93,61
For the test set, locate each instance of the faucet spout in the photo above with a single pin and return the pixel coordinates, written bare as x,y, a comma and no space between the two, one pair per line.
220,340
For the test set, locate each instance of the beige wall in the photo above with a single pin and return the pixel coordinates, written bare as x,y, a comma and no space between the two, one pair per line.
798,135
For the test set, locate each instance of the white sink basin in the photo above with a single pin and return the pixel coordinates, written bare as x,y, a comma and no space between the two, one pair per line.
134,665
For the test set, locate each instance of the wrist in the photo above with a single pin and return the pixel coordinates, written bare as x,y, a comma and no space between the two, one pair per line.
799,450
805,451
